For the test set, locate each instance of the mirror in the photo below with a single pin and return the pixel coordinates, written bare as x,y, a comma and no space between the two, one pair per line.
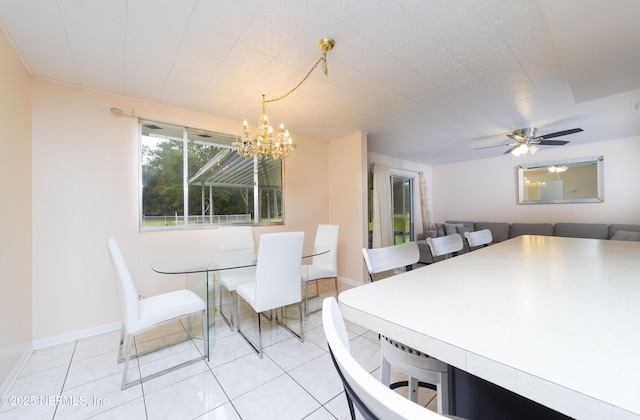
564,181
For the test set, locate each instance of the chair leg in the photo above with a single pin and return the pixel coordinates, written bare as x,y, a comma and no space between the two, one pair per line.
306,295
299,336
256,348
385,369
127,357
442,397
126,365
120,359
306,298
413,389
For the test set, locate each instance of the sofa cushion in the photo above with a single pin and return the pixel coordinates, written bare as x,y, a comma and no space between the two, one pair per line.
582,230
499,230
625,235
466,224
613,228
518,229
451,228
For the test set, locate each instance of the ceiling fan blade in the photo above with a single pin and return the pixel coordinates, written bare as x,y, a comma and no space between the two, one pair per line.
489,147
561,133
511,149
552,142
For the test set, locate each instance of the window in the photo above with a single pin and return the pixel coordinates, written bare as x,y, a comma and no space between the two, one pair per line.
193,178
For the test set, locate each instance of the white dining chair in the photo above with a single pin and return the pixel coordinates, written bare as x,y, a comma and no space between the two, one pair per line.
324,266
379,260
235,245
275,283
445,245
478,238
372,399
139,315
421,368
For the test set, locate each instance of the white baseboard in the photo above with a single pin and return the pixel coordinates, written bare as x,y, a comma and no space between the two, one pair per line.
75,335
15,372
350,281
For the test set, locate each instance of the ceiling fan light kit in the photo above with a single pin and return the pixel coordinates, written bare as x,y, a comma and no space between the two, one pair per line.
527,141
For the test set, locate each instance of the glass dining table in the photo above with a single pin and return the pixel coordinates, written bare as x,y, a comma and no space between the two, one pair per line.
200,271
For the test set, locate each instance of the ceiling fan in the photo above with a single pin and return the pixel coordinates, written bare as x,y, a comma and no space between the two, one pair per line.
527,141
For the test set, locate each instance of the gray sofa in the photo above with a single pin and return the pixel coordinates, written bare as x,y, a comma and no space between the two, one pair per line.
501,231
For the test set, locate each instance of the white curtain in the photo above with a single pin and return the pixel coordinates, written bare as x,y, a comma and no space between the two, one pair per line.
424,204
382,214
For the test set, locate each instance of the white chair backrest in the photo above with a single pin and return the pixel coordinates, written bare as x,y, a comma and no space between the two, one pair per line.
327,237
126,288
390,257
278,270
479,237
445,244
368,394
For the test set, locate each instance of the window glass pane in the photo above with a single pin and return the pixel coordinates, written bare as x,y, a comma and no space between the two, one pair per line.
270,190
162,175
402,188
221,184
220,181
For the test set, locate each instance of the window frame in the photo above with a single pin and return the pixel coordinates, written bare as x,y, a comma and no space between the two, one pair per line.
185,142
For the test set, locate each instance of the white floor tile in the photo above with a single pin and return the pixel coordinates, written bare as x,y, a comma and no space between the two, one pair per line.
171,377
28,412
224,412
48,358
186,399
366,353
95,397
291,353
227,349
96,367
97,345
320,414
41,384
131,410
281,398
319,377
246,373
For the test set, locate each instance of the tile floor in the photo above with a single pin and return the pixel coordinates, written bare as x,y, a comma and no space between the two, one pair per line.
293,380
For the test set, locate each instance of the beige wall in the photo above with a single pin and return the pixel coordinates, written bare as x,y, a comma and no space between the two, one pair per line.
85,188
348,201
15,211
485,190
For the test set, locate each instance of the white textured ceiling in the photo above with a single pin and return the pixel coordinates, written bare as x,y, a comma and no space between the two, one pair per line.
429,80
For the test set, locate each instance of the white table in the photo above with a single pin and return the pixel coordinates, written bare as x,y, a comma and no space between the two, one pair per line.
556,320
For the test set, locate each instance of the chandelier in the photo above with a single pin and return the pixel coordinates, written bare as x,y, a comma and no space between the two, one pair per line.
534,184
264,141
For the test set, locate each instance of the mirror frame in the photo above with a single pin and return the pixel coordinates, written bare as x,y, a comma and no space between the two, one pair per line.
598,160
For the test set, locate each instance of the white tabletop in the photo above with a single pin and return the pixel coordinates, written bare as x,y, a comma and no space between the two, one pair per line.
556,320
